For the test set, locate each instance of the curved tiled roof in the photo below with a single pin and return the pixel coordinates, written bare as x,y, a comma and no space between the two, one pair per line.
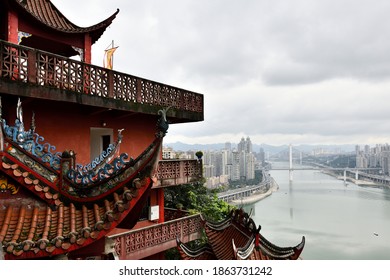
203,253
48,223
238,238
38,220
45,12
32,229
259,248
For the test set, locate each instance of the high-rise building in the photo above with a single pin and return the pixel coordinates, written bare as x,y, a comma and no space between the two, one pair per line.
237,164
248,147
241,145
228,146
245,145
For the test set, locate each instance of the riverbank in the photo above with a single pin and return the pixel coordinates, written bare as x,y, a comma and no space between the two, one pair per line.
256,196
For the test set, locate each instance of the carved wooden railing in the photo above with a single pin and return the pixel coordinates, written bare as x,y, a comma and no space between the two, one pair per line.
37,67
144,242
176,172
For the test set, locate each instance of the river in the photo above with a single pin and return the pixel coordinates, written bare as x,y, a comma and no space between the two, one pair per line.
339,222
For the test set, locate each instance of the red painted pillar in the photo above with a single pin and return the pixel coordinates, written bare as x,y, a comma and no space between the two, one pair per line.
12,37
87,49
13,24
160,198
87,59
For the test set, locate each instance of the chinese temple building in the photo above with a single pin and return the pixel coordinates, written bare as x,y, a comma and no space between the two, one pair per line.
81,174
81,168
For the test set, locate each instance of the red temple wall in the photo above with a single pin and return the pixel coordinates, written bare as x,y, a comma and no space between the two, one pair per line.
68,127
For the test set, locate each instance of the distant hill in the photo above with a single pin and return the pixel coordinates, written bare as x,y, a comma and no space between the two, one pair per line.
179,146
271,149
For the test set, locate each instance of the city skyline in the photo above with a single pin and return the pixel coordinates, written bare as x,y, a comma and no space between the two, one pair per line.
299,72
307,148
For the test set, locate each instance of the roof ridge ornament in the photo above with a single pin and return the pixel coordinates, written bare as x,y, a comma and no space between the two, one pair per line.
19,116
162,123
29,140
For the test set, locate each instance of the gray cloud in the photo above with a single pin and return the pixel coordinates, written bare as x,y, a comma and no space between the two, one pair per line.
304,70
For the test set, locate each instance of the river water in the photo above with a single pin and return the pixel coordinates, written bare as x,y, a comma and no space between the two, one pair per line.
339,222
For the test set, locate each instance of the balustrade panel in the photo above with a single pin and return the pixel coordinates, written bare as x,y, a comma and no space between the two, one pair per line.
75,76
141,239
14,64
125,87
98,81
190,169
171,172
168,170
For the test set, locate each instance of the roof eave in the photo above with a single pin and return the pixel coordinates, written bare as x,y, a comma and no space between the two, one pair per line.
95,30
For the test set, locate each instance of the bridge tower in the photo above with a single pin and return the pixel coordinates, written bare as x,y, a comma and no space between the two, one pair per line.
345,177
290,172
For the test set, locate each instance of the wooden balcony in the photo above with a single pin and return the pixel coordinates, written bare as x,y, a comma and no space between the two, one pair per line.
176,172
144,242
24,71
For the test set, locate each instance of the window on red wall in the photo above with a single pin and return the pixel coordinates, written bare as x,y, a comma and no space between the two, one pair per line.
101,138
106,141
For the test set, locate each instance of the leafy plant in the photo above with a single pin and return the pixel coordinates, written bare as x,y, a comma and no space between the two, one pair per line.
196,198
199,154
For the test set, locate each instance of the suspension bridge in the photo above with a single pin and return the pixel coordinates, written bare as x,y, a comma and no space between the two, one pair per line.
357,172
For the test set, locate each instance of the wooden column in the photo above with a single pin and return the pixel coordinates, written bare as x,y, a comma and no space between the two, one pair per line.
87,49
13,23
160,195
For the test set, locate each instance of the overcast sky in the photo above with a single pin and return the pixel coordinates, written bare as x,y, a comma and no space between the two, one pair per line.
281,72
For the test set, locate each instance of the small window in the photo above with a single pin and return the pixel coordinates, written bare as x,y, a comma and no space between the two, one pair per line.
101,138
106,141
